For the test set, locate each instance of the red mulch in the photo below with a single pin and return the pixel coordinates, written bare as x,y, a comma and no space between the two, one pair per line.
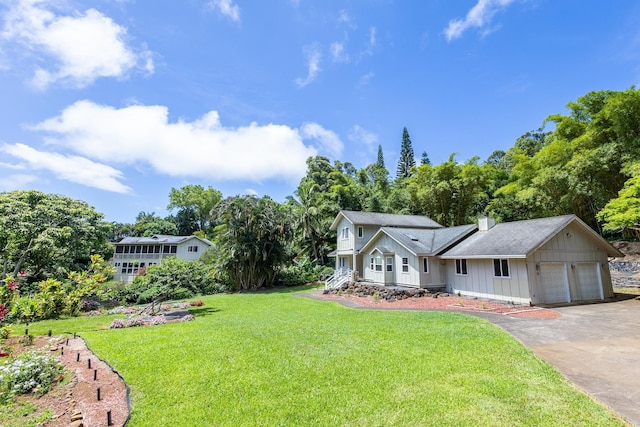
452,303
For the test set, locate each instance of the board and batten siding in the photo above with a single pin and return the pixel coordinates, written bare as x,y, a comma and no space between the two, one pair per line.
345,244
183,251
577,251
480,281
415,277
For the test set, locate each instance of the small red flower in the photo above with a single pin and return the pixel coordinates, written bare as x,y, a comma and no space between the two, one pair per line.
13,286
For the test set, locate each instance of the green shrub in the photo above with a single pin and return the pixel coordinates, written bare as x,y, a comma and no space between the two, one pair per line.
31,371
24,309
173,279
302,272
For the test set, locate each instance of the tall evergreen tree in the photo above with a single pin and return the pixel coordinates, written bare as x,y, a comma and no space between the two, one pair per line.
380,162
407,159
425,159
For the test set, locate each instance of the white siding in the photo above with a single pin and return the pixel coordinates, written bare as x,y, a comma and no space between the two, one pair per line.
480,281
345,244
127,264
573,247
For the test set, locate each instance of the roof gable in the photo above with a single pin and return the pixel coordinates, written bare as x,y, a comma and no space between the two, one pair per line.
420,241
384,220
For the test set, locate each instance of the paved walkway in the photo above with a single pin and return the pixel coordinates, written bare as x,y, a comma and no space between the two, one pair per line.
595,346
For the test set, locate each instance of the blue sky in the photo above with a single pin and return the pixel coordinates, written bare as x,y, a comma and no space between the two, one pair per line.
116,101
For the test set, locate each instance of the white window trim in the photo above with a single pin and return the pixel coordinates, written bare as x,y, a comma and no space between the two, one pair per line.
378,262
405,265
425,263
360,232
459,265
502,276
345,233
389,264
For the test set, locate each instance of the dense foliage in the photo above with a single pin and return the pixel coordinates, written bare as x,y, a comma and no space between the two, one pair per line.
251,241
47,235
53,297
173,279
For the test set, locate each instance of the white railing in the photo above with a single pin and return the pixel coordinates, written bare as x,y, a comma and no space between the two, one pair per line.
338,278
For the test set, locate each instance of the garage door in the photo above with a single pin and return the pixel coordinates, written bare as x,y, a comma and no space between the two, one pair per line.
589,281
553,278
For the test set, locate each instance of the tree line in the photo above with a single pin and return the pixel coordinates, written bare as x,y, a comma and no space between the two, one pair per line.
584,162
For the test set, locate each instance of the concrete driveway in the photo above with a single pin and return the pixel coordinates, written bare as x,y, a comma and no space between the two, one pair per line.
595,346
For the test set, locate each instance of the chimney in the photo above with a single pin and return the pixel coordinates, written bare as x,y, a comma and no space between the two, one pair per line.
485,222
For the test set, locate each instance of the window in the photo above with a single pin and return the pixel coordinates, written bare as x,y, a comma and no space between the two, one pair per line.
360,232
138,249
389,263
157,249
371,264
126,249
165,249
345,233
378,263
461,267
119,249
501,267
144,249
192,249
425,265
174,249
405,265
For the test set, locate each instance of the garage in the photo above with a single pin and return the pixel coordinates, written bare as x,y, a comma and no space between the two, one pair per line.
554,282
589,281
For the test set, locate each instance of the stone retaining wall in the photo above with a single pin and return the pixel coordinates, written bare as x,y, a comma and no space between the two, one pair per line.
390,294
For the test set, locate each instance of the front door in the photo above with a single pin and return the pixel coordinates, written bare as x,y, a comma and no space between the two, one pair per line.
389,273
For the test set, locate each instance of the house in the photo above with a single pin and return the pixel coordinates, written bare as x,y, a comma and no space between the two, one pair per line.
540,261
357,228
134,253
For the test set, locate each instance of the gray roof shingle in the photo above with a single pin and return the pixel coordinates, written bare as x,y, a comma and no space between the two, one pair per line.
516,239
426,242
386,220
159,238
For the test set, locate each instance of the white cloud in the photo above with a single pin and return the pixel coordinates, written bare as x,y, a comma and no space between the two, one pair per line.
372,37
16,182
331,142
338,53
69,168
202,148
363,136
83,46
365,79
313,66
226,8
478,16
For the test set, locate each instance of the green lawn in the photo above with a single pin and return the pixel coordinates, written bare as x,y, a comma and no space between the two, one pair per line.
275,359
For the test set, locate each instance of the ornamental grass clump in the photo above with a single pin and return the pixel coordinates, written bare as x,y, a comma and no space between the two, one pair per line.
31,371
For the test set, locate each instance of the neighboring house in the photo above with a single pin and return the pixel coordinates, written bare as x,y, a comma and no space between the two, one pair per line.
133,253
357,228
541,261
